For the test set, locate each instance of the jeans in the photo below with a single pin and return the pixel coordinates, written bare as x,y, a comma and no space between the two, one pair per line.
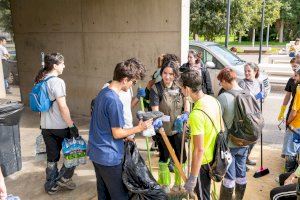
205,183
290,148
109,182
236,172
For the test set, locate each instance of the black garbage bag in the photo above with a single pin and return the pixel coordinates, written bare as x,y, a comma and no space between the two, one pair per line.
137,178
10,113
10,147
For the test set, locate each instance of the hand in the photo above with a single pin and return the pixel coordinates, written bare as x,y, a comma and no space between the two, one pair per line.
184,117
141,92
157,124
74,131
260,95
144,125
291,179
190,184
3,193
281,114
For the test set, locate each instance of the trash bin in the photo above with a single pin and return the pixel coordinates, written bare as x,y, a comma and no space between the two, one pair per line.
10,147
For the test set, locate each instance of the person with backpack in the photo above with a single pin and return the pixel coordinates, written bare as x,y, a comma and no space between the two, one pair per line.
251,84
289,149
56,122
166,96
235,177
106,134
204,127
194,62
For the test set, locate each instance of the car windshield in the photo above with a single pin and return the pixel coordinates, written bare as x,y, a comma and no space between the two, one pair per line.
226,54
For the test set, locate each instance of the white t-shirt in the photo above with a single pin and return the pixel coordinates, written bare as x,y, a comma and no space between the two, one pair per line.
3,51
53,119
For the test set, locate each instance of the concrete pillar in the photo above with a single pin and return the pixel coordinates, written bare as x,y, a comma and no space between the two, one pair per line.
94,36
2,86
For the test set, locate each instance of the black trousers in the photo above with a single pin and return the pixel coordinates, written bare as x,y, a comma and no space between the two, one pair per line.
203,190
287,192
175,141
53,139
109,182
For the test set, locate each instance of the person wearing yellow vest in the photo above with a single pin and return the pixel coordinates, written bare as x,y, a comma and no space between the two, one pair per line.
202,132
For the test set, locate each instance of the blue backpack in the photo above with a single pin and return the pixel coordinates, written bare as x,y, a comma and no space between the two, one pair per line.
39,100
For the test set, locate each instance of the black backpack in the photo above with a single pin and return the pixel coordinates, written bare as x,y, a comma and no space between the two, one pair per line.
248,120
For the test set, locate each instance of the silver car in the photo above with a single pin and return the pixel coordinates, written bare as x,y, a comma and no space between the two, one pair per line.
217,57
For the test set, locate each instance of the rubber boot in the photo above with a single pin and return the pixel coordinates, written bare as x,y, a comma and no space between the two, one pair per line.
290,163
164,177
51,176
239,191
225,193
178,181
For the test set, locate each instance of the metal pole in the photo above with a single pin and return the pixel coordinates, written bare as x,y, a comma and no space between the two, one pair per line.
227,24
261,30
268,35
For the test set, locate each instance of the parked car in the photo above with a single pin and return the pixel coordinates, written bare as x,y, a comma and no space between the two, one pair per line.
217,57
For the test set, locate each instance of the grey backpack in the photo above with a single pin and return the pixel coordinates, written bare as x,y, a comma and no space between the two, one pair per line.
248,120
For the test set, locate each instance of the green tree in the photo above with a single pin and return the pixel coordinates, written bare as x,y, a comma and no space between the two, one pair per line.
208,18
5,16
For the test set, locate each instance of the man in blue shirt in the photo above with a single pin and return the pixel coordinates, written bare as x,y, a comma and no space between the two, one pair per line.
106,145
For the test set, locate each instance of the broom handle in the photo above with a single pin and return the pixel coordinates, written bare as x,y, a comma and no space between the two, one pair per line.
261,137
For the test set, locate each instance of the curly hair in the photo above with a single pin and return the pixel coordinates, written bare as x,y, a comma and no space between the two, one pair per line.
131,69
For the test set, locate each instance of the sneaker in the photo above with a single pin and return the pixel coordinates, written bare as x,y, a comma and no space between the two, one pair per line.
166,189
250,162
53,190
66,183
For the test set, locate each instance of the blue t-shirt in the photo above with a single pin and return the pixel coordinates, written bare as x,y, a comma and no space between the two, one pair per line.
108,113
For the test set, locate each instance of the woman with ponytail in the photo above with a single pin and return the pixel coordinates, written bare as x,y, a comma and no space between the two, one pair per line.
56,124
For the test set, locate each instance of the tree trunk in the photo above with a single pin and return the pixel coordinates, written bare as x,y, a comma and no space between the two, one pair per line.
281,31
268,35
253,37
240,38
196,37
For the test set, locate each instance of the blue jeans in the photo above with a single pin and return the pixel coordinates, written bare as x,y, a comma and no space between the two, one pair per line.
236,172
290,148
109,182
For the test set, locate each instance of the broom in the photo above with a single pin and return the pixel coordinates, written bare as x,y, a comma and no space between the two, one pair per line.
262,171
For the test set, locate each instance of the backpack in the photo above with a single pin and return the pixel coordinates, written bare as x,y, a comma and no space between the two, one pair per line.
39,100
222,157
248,121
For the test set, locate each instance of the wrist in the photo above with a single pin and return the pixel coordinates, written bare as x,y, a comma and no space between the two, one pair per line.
71,125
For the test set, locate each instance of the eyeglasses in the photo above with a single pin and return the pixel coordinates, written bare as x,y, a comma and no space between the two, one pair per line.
133,82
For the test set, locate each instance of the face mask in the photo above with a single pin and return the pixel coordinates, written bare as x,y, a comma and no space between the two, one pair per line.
190,99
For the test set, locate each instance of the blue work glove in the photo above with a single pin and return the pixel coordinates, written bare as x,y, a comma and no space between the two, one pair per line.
260,95
190,184
184,117
141,92
157,124
178,125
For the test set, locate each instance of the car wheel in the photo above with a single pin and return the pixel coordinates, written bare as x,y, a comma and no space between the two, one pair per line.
10,78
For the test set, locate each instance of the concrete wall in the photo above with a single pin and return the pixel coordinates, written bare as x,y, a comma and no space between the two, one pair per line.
94,35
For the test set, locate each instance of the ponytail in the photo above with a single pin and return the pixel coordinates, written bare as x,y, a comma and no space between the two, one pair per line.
50,60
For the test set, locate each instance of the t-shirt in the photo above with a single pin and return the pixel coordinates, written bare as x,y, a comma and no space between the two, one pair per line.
296,107
125,98
199,123
52,119
253,86
291,87
3,51
227,102
108,113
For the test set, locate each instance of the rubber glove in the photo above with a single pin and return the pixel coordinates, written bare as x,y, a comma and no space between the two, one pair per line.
74,131
178,125
260,95
157,124
141,92
281,114
184,117
190,184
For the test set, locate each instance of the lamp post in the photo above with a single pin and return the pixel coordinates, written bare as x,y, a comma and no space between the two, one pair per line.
261,30
227,24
